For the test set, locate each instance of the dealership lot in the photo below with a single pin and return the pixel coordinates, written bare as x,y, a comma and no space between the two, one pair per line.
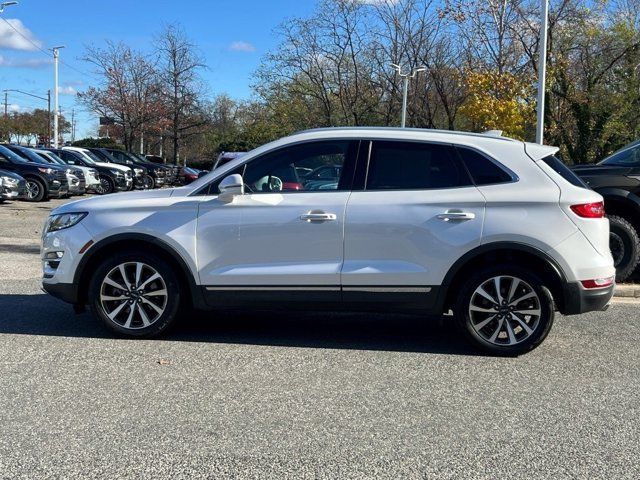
303,395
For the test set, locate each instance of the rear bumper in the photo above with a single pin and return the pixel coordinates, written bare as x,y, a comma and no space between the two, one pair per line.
579,300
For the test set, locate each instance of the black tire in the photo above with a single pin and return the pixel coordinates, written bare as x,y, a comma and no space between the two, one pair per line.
106,186
168,281
36,191
625,247
149,182
540,325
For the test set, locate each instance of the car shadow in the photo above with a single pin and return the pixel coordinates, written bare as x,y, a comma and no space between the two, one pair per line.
45,315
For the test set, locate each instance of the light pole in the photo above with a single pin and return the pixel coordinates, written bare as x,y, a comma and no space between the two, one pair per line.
56,111
542,70
3,5
405,88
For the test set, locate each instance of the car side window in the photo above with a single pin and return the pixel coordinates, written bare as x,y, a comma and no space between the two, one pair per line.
629,157
397,165
483,170
297,168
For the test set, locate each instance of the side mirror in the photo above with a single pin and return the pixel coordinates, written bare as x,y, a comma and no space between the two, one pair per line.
230,187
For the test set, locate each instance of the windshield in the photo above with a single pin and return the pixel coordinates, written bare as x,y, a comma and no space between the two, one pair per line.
31,156
12,156
52,156
87,156
627,157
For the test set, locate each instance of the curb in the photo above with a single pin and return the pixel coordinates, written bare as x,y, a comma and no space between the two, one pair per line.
627,291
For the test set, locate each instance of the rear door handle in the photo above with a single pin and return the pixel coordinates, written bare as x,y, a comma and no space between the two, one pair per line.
449,216
318,217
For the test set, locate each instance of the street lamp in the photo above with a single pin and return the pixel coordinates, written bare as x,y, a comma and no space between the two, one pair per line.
405,88
3,5
56,108
542,70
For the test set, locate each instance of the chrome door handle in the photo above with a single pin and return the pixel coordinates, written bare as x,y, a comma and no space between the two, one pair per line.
449,216
318,217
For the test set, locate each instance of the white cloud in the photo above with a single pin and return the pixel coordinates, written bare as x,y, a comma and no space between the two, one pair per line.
241,46
24,63
14,108
11,39
67,90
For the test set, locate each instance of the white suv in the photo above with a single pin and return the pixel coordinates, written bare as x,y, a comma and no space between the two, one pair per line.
496,230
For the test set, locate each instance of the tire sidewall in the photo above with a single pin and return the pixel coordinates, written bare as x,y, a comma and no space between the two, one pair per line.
41,190
629,237
547,311
110,184
173,288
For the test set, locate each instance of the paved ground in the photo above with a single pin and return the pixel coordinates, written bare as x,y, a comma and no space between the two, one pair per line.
314,396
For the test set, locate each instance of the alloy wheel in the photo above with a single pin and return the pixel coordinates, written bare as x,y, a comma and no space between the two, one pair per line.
505,310
33,189
133,295
104,186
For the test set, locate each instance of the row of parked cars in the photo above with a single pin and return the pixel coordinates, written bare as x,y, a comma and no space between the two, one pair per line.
37,174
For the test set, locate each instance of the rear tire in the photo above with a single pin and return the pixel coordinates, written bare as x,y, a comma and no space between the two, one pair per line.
512,322
35,190
625,247
135,294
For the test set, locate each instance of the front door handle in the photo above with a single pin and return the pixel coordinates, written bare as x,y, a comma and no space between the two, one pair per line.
453,216
318,217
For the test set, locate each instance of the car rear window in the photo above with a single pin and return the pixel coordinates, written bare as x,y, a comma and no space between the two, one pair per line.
561,169
483,170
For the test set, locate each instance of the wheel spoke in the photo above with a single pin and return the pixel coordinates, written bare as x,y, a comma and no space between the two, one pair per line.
484,323
483,293
157,293
117,310
498,330
114,284
512,291
107,298
523,324
152,305
124,276
138,273
153,277
143,315
522,298
510,333
528,312
496,283
127,324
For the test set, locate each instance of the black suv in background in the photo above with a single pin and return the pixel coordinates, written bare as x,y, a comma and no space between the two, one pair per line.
144,178
172,171
617,179
43,181
111,180
157,173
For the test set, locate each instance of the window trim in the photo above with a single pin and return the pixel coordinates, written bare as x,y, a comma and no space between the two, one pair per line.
349,167
456,158
501,166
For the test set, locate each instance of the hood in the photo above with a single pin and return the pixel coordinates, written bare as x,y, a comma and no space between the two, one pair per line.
113,166
5,173
113,200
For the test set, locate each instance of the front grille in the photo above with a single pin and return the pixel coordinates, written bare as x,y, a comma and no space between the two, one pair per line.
61,176
128,174
79,174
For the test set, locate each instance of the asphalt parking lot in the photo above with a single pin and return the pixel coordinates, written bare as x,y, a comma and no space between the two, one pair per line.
282,395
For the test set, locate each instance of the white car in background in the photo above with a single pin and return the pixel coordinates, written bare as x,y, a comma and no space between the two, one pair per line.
128,172
92,179
496,230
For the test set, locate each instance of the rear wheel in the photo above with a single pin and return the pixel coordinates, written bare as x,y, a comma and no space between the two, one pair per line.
135,294
35,190
625,247
505,310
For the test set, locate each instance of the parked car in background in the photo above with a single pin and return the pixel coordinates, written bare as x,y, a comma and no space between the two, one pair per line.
142,177
189,175
12,186
419,220
111,179
126,171
91,176
617,179
156,159
42,181
226,157
75,176
172,175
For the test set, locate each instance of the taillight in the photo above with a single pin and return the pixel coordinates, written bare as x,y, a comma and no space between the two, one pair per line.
589,210
598,282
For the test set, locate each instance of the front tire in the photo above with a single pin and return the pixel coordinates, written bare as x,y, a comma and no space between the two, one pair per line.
505,310
35,190
135,294
106,186
625,247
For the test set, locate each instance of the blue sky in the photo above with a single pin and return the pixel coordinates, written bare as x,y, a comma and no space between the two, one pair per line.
232,37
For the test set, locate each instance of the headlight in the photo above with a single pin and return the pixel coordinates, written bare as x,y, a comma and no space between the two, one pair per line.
47,171
10,180
138,171
62,221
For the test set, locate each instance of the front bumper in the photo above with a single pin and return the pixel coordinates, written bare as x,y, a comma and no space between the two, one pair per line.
578,299
13,192
67,292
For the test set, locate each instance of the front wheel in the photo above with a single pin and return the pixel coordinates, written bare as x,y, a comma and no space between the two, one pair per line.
135,294
35,190
149,182
505,310
106,186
